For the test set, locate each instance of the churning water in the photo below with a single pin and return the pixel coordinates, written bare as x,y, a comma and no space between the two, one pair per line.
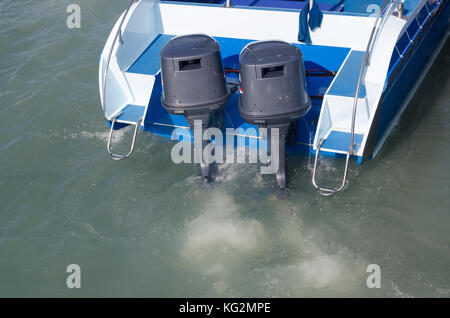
148,227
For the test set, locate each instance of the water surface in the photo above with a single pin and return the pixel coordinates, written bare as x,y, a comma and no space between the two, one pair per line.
148,227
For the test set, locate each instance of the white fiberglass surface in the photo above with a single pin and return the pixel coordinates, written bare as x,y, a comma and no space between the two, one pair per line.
336,30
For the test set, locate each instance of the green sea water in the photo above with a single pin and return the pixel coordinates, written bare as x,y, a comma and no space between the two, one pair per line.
146,227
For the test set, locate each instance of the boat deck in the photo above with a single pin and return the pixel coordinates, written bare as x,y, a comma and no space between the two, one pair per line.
348,77
316,57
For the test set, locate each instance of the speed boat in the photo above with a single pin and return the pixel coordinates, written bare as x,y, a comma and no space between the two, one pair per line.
332,79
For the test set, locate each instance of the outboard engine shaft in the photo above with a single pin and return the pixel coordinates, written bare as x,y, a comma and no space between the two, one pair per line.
193,82
273,91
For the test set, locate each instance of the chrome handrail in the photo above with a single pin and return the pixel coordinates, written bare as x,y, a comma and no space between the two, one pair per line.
118,36
378,27
115,156
365,63
227,4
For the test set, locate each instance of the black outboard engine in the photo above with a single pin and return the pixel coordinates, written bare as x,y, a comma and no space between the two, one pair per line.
273,91
193,81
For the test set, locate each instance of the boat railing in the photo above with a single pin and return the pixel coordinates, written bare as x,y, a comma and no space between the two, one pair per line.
117,38
387,9
383,14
